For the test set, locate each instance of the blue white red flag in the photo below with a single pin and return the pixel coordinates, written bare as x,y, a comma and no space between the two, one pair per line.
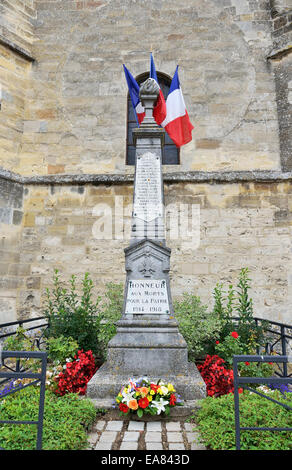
159,110
177,123
134,95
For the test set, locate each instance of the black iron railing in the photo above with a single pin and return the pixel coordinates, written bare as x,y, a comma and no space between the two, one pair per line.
243,381
277,335
10,329
278,341
7,373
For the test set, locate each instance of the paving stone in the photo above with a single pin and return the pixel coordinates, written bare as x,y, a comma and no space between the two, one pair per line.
92,438
103,446
114,426
195,446
131,436
189,427
99,425
108,436
154,426
153,436
176,446
129,446
173,426
192,436
136,426
193,439
174,437
154,446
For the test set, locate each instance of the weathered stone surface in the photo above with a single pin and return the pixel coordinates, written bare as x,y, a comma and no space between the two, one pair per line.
66,112
228,88
106,384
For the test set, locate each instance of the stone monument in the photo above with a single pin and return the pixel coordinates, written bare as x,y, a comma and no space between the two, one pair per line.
147,342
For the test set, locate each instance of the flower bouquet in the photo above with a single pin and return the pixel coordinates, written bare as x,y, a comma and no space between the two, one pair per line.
146,397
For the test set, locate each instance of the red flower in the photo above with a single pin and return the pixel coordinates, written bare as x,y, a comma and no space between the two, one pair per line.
154,387
217,342
247,363
143,402
240,390
218,379
77,374
172,400
234,334
124,408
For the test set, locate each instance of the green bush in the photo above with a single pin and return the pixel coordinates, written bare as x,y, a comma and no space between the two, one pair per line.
20,341
62,348
216,425
74,316
231,346
237,303
65,420
198,327
109,313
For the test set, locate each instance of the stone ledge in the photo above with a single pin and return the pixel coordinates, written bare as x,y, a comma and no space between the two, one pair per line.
106,383
277,54
260,176
17,49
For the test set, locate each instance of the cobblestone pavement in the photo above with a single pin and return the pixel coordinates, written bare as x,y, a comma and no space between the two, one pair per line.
140,435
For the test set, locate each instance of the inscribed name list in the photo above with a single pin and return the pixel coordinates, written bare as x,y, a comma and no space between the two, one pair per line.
147,296
148,192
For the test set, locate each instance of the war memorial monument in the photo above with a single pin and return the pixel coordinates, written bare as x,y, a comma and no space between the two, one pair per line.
147,342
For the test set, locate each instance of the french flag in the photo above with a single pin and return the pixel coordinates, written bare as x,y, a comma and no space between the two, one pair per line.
159,110
134,95
177,123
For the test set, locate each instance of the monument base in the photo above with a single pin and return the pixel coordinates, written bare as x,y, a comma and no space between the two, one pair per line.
105,385
151,348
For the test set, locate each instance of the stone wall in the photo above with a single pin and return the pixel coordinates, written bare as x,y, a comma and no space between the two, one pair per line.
239,225
63,143
281,61
75,119
11,258
16,42
17,23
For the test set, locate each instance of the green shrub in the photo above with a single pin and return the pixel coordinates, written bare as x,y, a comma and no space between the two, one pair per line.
62,348
74,316
109,313
216,425
231,346
238,304
65,420
198,327
20,341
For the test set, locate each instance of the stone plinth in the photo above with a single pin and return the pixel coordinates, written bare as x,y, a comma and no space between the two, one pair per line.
147,342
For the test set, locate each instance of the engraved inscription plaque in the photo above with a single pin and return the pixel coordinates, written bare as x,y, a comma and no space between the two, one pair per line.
147,296
148,193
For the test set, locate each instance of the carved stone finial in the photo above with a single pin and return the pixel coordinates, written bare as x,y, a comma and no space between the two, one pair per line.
149,91
149,87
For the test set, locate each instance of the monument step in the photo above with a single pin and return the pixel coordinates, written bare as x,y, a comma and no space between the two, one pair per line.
189,407
107,382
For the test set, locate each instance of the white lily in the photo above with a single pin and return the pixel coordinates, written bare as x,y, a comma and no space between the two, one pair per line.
159,405
164,389
127,396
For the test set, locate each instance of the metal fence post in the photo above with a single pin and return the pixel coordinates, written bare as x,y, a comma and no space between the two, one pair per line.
236,404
